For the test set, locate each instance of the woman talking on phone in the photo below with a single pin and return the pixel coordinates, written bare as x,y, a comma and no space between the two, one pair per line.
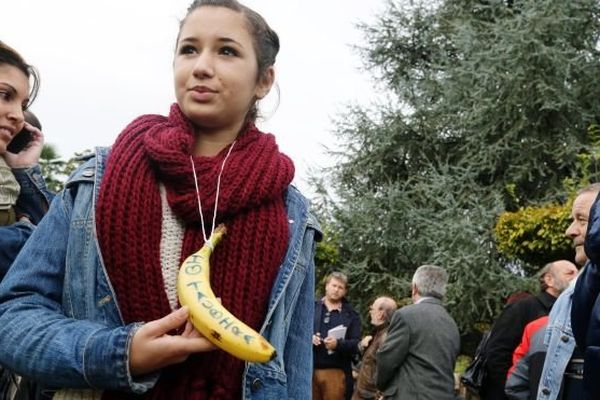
91,309
23,195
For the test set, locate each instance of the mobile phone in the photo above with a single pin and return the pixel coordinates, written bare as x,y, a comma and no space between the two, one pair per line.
20,141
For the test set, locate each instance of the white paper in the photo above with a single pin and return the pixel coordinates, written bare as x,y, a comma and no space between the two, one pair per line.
338,332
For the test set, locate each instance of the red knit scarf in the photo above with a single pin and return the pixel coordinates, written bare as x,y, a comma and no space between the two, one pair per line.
155,149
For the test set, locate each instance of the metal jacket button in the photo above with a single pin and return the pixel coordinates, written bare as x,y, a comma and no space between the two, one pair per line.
256,385
88,173
564,338
545,391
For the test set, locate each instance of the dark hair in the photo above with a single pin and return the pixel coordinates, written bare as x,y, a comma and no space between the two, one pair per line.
32,119
8,55
264,39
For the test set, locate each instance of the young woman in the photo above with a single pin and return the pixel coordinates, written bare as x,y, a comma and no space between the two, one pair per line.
23,195
93,304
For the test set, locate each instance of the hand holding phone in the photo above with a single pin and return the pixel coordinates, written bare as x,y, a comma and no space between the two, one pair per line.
30,153
20,141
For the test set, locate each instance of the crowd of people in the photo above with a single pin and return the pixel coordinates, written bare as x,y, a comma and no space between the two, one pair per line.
402,357
88,299
541,346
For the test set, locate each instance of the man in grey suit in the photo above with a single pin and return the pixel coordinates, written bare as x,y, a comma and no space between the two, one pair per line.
416,361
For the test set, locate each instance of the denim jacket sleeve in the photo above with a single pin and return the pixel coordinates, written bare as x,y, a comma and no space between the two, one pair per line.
12,239
300,376
298,347
560,345
34,198
36,337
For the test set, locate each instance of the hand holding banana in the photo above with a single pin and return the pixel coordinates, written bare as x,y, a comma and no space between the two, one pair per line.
207,314
154,347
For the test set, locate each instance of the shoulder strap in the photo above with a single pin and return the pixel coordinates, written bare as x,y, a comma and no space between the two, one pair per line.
482,346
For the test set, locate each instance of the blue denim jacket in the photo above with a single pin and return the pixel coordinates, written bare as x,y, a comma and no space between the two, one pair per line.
33,201
60,324
561,343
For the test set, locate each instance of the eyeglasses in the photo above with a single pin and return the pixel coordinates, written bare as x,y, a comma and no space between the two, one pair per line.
326,319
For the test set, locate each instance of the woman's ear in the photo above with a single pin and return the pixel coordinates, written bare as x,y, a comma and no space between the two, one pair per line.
265,83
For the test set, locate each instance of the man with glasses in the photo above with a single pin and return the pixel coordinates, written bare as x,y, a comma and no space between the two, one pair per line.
380,312
332,353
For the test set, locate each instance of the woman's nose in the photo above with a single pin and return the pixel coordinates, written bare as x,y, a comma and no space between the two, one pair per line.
204,66
16,114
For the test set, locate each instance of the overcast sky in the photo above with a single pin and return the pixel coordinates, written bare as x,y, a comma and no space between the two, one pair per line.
103,63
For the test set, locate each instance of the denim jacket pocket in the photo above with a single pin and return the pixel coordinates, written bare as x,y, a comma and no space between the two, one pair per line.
266,383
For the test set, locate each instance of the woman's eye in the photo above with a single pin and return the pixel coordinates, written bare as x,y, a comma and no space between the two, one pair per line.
187,49
4,95
228,51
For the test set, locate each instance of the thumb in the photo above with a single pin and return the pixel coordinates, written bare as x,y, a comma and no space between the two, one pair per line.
169,322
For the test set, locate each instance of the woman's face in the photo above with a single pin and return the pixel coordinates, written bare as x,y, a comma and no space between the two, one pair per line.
14,95
215,69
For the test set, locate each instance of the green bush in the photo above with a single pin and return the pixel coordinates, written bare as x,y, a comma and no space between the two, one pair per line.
534,235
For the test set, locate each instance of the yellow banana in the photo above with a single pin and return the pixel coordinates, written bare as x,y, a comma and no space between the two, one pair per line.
207,314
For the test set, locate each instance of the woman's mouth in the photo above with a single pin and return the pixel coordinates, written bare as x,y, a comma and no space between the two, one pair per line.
202,93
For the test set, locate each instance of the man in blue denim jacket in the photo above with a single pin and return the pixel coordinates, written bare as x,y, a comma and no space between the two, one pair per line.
84,345
562,373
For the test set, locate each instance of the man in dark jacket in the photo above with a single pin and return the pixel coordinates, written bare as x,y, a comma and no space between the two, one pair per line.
332,354
509,326
585,313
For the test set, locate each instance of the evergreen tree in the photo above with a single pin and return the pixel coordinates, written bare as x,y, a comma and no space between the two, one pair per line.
482,96
55,169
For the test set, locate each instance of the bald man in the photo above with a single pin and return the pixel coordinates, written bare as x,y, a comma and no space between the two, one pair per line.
508,328
381,312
